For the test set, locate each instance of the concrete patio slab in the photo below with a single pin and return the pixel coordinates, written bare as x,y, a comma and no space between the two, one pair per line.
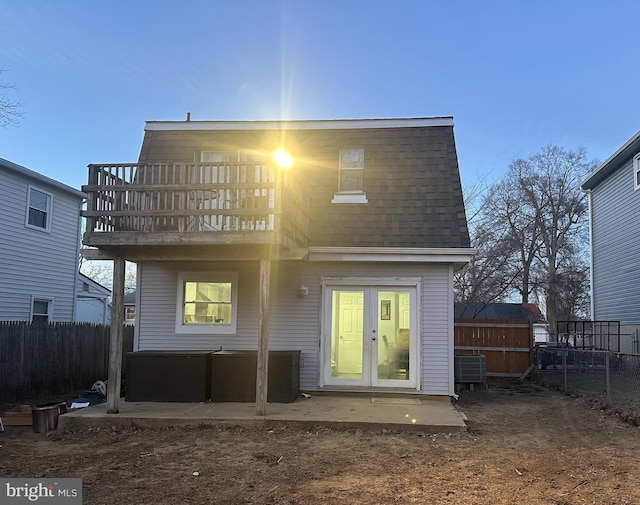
430,414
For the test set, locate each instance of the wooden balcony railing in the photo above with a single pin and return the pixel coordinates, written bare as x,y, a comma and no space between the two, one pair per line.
169,203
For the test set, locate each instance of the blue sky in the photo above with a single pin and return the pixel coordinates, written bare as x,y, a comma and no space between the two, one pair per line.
515,75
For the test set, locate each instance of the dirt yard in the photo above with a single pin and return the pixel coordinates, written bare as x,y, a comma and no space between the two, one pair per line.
524,445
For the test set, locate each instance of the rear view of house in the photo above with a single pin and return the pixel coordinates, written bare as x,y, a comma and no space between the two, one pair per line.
39,246
358,229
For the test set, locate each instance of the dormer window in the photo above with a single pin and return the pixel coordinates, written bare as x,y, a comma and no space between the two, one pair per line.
351,168
636,171
350,177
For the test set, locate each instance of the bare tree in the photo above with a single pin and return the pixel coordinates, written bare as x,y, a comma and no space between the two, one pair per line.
101,271
550,183
504,211
10,109
488,277
531,236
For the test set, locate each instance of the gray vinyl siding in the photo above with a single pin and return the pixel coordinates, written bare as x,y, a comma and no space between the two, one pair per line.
34,262
615,208
437,330
295,321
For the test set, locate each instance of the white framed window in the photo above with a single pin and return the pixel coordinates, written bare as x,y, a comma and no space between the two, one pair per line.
350,171
41,309
636,171
216,157
207,302
350,177
38,209
232,156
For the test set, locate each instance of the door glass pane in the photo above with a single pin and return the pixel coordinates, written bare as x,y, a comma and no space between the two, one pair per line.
394,319
347,318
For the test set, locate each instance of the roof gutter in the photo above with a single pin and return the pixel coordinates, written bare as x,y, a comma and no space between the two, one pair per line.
43,179
630,148
392,254
320,124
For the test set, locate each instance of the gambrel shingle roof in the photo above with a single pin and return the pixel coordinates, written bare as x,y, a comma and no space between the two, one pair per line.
411,177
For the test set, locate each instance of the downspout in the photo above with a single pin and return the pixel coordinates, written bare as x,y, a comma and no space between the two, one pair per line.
77,265
138,306
451,316
105,309
591,293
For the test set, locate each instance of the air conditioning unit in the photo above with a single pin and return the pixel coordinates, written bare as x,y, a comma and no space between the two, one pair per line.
470,369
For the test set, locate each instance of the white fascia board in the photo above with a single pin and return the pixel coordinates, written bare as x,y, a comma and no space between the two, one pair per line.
320,124
95,285
392,254
600,171
95,296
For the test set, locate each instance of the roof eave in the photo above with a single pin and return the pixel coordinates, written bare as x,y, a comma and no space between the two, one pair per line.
319,124
19,169
628,150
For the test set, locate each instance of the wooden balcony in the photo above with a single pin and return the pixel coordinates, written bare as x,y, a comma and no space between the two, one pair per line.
138,205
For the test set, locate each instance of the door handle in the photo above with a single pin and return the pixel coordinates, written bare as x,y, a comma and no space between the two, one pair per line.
373,338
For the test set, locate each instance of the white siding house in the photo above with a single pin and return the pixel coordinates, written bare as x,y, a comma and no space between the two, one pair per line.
39,246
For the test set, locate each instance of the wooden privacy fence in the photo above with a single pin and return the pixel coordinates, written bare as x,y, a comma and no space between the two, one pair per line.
506,343
38,360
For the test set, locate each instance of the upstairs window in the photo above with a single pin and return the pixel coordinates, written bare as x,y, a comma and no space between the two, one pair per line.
351,168
636,171
207,303
215,157
39,210
350,177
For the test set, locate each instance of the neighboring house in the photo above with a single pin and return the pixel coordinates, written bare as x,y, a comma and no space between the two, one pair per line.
613,190
92,304
350,253
39,246
530,311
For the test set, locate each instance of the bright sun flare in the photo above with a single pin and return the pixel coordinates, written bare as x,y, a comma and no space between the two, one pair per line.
283,159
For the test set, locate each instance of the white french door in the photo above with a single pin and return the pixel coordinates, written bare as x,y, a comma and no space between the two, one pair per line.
370,334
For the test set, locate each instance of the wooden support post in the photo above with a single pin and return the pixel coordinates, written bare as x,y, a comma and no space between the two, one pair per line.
263,339
117,331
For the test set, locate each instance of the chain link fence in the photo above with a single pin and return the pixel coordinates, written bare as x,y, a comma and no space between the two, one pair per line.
612,376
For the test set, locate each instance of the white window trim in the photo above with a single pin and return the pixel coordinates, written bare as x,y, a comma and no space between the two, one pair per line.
49,301
349,198
46,229
636,171
211,329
